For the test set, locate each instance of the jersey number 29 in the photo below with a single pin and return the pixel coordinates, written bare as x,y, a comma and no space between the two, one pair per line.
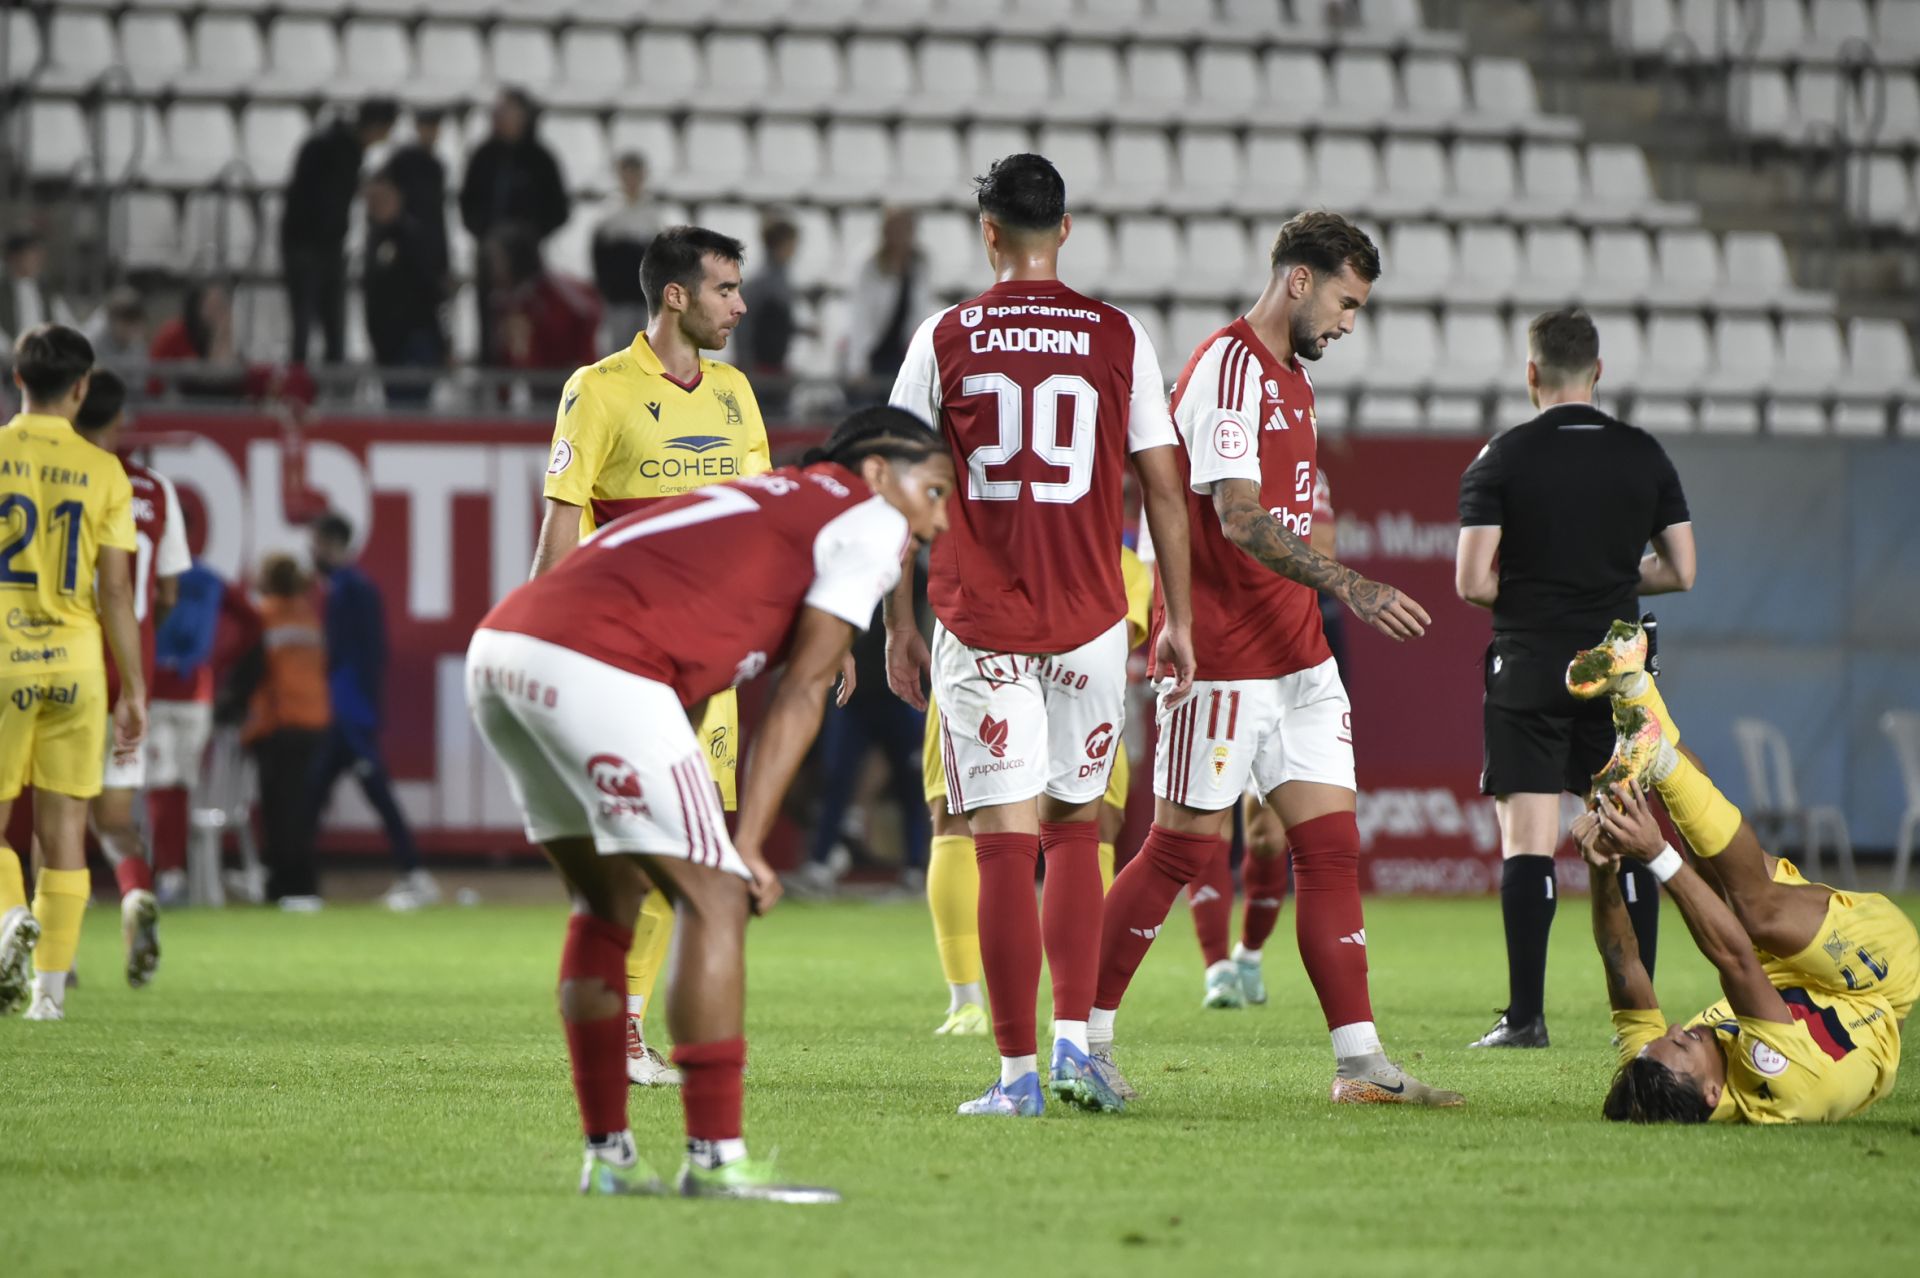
1075,456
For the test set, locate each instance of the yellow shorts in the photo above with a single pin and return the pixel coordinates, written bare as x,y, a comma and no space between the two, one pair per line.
1866,945
933,766
720,737
53,732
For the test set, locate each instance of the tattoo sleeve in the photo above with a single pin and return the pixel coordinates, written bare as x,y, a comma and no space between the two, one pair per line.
1628,986
1252,527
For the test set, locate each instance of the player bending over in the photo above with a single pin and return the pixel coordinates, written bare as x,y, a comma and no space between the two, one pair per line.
1268,707
586,683
1817,981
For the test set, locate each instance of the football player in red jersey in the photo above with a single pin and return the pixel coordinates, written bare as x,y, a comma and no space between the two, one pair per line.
1042,393
586,682
1268,706
161,532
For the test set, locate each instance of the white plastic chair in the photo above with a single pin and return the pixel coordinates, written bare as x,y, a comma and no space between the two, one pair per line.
1903,730
1763,749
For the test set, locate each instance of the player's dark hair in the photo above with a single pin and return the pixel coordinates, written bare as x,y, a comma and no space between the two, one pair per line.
1645,1091
1022,192
1324,242
106,396
280,576
20,242
1564,345
376,113
50,358
879,431
677,256
333,527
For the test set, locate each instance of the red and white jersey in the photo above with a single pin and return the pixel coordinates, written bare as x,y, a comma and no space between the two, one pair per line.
1042,394
640,594
1243,414
160,536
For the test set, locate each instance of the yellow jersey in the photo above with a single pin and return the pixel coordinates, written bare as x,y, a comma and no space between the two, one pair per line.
1848,991
1138,578
626,433
61,500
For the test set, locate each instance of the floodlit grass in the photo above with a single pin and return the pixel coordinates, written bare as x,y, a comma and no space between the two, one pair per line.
357,1093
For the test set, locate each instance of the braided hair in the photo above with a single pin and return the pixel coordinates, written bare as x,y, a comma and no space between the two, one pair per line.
880,431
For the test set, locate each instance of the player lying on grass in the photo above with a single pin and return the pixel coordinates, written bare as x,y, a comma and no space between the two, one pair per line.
586,683
1817,981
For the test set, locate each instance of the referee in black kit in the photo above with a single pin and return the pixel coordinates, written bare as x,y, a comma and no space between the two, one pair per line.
1554,518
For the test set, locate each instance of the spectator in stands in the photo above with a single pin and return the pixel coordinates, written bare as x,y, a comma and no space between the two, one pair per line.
768,328
203,333
24,300
118,330
401,281
356,638
313,226
541,319
512,180
619,243
416,170
891,296
284,682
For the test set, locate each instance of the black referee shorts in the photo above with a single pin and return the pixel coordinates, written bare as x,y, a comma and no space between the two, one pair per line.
1538,738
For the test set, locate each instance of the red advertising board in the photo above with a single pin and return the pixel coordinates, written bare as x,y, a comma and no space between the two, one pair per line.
448,512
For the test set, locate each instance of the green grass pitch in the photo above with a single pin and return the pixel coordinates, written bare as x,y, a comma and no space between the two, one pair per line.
355,1093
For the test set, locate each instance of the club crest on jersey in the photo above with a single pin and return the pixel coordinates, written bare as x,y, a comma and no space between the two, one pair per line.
1230,438
731,403
970,316
562,457
1219,761
993,735
1766,1060
619,782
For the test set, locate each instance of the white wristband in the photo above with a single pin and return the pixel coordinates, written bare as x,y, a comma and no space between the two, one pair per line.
1666,865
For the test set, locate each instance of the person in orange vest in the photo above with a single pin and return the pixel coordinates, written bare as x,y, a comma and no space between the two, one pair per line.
284,680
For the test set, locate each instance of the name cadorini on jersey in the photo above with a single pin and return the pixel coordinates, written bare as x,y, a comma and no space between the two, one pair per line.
1040,341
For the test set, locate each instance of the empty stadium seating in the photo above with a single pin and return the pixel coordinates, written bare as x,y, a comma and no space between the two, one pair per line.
1186,129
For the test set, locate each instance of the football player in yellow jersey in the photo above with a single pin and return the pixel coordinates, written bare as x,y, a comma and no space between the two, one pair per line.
953,877
655,420
1817,981
66,537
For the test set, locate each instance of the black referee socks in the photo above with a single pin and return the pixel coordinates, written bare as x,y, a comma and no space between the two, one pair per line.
1641,891
1527,900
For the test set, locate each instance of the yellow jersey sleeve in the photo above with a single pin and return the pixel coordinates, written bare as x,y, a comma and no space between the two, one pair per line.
1635,1029
1139,582
116,512
584,428
759,456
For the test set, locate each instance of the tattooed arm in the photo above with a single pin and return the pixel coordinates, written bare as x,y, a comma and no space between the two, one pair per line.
1629,988
1252,527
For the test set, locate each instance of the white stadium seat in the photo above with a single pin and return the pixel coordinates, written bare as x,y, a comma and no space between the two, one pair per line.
228,53
1689,265
147,230
131,138
22,46
1090,81
1744,355
302,53
1209,170
270,136
1642,25
1757,274
1812,358
1760,102
1739,415
1279,174
930,166
668,69
859,161
1474,355
593,63
1296,85
153,47
787,160
954,257
80,47
1157,86
1678,353
1879,358
1396,16
1835,22
1487,264
520,54
1435,89
1140,168
1896,29
715,157
1782,27
56,138
818,259
1365,87
1557,270
1019,80
1419,263
1823,103
1408,346
580,145
219,232
1504,89
1713,30
653,137
1880,192
1228,83
880,70
1088,257
808,71
950,74
1346,172
1146,256
738,66
1483,179
1216,259
1622,270
1415,170
1188,325
1623,351
1080,158
985,143
375,55
1551,178
200,140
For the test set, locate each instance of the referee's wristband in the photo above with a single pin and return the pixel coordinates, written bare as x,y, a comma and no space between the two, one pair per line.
1666,865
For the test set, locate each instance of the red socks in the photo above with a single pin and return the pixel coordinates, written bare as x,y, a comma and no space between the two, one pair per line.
1070,912
1327,918
597,950
1138,903
710,1087
133,875
1010,935
168,808
1210,897
1266,887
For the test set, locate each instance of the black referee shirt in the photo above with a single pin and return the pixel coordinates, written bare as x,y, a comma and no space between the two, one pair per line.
1577,495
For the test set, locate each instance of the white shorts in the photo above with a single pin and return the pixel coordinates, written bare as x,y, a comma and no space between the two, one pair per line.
594,751
1015,725
1253,735
177,736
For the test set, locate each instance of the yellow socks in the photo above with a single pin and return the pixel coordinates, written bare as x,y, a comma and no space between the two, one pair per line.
1698,809
1648,695
1106,867
652,934
13,888
59,902
953,894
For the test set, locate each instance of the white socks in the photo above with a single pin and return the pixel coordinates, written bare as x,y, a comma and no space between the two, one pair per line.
1357,1039
958,996
51,984
636,1005
1100,1026
712,1154
616,1149
1015,1068
1074,1032
1631,685
1241,954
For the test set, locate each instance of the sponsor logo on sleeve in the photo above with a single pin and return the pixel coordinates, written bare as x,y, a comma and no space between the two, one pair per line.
562,456
1766,1060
